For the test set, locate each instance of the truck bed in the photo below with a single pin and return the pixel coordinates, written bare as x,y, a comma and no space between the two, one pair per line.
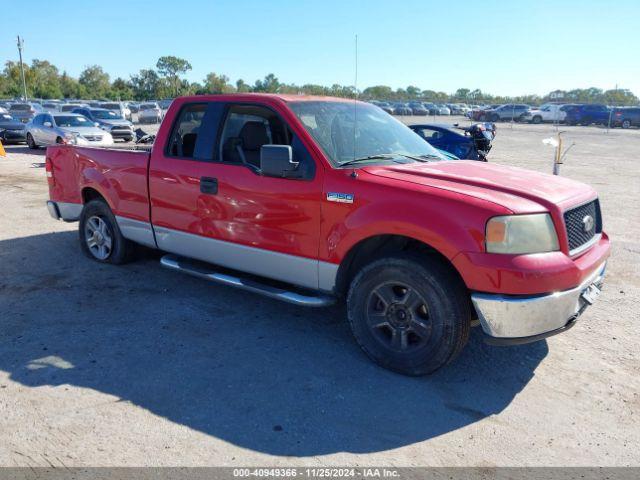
117,173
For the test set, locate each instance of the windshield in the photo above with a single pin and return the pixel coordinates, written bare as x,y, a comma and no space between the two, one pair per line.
331,124
148,106
111,106
106,115
72,121
20,107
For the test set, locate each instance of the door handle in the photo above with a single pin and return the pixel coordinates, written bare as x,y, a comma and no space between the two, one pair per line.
209,185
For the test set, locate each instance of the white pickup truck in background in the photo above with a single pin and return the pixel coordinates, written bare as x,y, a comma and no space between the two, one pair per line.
549,112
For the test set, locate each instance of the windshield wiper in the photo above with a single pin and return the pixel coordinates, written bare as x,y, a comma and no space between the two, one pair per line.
385,156
380,156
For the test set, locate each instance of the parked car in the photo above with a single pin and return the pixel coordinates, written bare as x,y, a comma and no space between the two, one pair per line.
386,106
133,107
24,112
402,109
588,114
149,113
510,111
65,128
417,244
119,107
70,107
443,110
110,121
431,108
626,117
418,109
11,130
545,113
472,142
165,103
51,106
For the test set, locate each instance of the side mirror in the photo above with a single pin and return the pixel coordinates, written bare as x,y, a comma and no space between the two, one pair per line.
277,161
48,124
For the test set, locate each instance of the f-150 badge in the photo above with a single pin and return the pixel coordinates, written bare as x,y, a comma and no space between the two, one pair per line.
340,197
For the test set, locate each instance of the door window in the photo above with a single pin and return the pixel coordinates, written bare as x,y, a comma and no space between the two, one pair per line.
248,127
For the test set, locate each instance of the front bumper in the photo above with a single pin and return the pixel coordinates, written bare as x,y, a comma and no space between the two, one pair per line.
514,319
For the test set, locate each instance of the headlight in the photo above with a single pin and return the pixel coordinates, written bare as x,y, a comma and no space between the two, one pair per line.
520,234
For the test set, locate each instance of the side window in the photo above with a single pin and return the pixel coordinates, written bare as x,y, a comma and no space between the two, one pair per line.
186,129
248,127
37,120
429,134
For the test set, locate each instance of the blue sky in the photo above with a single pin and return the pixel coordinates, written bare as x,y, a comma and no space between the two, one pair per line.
502,47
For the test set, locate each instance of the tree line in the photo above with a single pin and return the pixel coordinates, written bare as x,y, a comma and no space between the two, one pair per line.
44,80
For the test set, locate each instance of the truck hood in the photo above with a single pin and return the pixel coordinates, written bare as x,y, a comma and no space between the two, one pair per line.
517,189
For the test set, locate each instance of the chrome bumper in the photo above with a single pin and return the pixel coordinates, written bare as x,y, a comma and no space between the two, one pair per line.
516,319
69,212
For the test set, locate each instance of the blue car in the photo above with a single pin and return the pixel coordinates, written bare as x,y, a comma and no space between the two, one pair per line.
587,114
470,143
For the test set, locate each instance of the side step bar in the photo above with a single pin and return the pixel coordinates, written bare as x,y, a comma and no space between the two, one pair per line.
207,272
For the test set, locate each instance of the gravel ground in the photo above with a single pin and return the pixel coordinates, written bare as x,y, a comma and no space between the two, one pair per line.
136,365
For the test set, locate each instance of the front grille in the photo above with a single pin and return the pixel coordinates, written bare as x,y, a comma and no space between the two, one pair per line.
576,221
93,138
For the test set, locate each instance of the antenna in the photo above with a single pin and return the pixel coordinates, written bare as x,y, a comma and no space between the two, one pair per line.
355,101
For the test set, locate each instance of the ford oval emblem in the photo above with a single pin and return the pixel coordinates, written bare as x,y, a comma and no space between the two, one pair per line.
587,223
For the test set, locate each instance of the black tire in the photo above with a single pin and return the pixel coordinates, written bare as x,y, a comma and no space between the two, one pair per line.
494,118
31,143
626,124
120,251
59,141
537,119
414,339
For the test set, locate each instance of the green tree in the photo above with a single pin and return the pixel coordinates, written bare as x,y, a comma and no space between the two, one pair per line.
270,84
242,87
171,68
121,90
378,92
146,84
95,81
214,83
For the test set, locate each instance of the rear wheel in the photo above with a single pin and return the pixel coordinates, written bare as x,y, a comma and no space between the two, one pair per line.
31,142
626,124
409,313
100,237
537,119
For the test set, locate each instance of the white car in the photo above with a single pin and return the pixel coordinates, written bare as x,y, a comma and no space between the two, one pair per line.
65,128
119,107
549,112
442,110
149,113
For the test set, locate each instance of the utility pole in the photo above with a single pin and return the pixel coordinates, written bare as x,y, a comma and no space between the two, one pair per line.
24,82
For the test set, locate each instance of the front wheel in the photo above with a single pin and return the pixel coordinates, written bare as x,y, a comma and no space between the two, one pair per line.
31,142
100,236
626,124
537,119
409,313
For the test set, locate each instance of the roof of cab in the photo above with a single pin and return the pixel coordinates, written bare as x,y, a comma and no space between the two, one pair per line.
271,96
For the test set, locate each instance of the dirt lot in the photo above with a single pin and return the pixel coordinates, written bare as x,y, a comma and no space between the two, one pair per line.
137,365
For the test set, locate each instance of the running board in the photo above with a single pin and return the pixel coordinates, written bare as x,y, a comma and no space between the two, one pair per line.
207,272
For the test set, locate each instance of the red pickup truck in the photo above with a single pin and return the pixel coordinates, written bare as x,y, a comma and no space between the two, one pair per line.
312,200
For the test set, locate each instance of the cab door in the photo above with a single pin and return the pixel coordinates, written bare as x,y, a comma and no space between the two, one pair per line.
210,202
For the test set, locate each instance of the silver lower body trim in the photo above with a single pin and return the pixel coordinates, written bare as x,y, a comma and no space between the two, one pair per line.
301,271
137,231
507,316
174,262
69,212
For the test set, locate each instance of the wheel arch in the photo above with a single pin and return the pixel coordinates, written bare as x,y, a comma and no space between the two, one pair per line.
374,247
